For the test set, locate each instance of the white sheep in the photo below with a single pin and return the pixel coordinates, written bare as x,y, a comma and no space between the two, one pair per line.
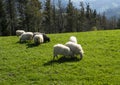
73,39
38,39
45,37
75,48
19,32
60,49
27,36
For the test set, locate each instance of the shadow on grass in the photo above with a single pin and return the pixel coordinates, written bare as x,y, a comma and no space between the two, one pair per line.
28,44
31,45
61,60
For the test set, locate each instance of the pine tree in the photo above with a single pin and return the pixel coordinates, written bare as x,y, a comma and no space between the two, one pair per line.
118,23
48,19
60,17
3,30
21,7
53,18
103,21
30,15
11,16
82,18
70,18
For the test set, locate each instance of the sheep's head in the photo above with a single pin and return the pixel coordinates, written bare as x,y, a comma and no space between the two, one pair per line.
81,55
48,39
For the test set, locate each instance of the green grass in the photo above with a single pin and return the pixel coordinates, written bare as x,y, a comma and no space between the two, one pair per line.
25,64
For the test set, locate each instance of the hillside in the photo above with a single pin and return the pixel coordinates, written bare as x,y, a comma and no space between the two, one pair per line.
26,64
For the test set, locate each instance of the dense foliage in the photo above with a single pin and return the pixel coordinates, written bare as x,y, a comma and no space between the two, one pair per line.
50,17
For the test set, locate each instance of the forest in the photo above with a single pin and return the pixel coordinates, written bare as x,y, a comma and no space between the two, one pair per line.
50,17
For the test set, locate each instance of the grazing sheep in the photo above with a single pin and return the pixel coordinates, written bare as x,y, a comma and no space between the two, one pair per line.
38,39
45,37
19,32
37,33
73,39
75,48
60,49
27,36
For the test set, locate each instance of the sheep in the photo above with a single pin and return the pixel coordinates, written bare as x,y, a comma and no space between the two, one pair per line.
27,36
38,39
75,48
73,39
19,32
60,49
45,37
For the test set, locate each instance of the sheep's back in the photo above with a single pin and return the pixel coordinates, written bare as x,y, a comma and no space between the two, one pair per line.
75,48
61,49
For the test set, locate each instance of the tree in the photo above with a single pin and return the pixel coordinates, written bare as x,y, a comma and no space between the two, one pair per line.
118,23
70,17
3,30
61,17
54,20
33,15
21,7
103,22
11,16
81,18
29,15
48,19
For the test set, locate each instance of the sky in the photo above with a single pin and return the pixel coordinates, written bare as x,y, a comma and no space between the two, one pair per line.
99,5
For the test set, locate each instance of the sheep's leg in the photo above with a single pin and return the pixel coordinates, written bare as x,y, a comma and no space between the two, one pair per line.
55,56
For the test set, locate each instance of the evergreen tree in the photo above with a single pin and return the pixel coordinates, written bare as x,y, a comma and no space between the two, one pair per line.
61,17
82,18
118,23
11,16
29,15
88,17
54,18
104,22
112,23
33,15
3,30
21,7
70,18
48,20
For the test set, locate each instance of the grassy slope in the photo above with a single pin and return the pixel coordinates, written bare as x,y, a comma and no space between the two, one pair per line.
24,64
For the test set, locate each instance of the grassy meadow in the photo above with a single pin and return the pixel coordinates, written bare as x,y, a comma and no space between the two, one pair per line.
26,64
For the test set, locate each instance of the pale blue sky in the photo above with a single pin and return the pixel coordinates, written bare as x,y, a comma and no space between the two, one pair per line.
100,5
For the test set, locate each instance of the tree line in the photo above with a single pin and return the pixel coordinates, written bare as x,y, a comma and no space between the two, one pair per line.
51,17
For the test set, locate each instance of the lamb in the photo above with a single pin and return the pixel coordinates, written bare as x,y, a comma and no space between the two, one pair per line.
60,49
27,36
38,39
19,32
73,39
75,48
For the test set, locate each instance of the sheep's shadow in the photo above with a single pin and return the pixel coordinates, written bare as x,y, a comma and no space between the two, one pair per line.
28,44
31,45
62,60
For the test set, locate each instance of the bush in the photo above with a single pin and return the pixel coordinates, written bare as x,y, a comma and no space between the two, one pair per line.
94,28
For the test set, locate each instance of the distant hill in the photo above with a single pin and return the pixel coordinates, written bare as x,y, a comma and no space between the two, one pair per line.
113,12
